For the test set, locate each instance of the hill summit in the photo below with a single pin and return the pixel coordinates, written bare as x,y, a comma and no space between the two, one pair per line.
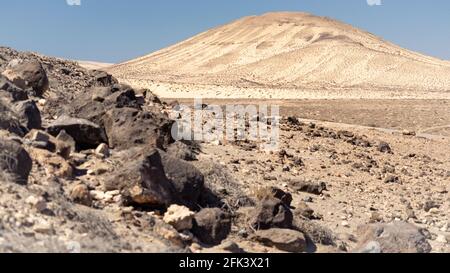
290,50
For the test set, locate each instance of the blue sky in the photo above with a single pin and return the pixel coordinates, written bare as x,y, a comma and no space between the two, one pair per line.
117,30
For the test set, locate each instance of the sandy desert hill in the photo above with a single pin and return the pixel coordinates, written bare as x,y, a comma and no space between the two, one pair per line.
290,50
92,65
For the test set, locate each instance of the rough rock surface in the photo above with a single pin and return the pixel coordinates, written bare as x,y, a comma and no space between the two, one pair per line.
397,237
128,127
283,239
271,213
15,162
10,121
212,226
179,217
85,133
29,114
144,182
28,74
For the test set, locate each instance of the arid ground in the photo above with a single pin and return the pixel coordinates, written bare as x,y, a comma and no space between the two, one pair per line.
88,161
417,131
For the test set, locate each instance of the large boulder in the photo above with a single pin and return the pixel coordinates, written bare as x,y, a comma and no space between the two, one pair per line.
212,226
144,183
29,75
129,127
396,237
15,93
283,196
271,213
86,134
29,114
104,79
157,180
88,110
284,239
124,97
15,162
187,180
96,101
182,150
9,120
99,93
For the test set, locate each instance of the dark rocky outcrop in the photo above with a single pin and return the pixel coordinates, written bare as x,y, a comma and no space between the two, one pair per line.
9,120
85,133
187,180
212,226
14,92
129,127
29,114
28,75
155,179
144,182
284,239
15,162
271,213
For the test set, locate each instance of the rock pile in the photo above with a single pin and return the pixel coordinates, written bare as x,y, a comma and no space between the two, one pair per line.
109,149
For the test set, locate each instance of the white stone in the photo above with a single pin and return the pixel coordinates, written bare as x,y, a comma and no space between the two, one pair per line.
434,211
216,142
345,224
38,203
441,239
98,195
113,193
43,227
445,227
179,217
102,150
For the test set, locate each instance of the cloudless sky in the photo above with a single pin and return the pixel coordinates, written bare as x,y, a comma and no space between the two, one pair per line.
118,30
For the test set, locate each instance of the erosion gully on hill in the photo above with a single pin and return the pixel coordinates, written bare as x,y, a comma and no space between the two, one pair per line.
89,165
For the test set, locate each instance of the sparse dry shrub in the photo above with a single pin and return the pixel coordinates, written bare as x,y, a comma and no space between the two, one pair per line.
262,192
7,164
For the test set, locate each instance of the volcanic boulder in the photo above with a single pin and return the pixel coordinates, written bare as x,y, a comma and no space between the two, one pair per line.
157,180
212,226
283,196
129,127
85,133
283,239
104,79
29,114
15,162
29,75
15,93
384,147
309,187
144,182
271,213
187,180
9,120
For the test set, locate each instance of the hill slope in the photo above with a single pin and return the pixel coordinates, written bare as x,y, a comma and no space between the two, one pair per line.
290,50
